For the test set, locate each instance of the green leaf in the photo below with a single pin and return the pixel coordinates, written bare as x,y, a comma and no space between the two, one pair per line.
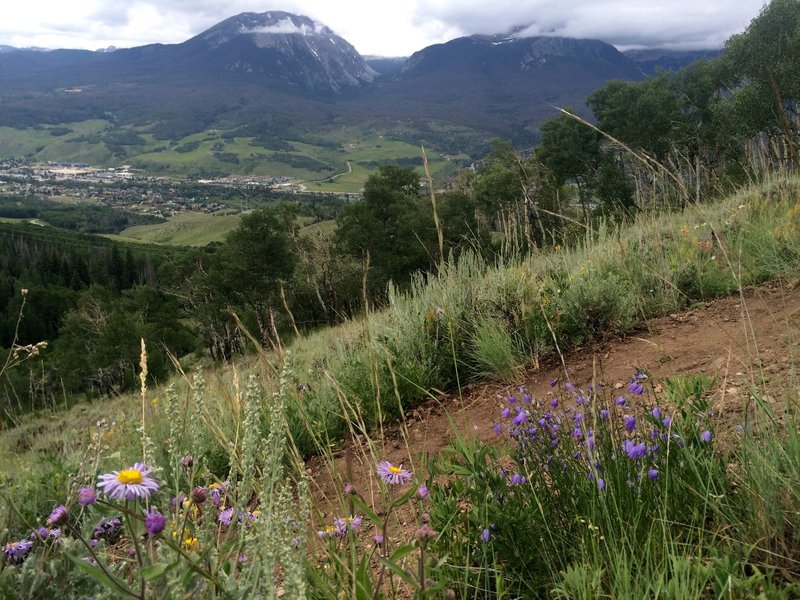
371,514
102,577
363,582
404,498
401,552
155,571
400,572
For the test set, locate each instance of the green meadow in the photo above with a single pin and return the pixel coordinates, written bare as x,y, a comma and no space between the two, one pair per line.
212,153
185,229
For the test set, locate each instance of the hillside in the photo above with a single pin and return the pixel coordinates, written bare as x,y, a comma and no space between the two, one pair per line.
721,372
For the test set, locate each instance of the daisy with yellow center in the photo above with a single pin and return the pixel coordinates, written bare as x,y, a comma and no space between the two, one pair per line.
393,475
128,484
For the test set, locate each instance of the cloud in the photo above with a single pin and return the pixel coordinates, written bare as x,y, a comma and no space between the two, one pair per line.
288,27
676,23
388,27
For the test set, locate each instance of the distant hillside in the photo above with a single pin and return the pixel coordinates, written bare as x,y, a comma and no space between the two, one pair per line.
386,66
652,60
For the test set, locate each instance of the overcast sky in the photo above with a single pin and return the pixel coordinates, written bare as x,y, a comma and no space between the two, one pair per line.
382,27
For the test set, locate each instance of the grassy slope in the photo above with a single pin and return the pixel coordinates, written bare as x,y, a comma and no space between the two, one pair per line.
185,229
646,254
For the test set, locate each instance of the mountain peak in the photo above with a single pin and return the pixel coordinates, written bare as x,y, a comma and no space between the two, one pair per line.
283,46
264,25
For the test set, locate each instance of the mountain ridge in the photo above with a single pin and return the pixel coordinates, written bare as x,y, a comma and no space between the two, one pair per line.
281,67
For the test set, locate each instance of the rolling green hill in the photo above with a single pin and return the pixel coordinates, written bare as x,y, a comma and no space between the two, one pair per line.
185,229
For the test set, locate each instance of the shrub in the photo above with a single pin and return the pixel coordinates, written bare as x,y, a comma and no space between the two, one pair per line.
597,303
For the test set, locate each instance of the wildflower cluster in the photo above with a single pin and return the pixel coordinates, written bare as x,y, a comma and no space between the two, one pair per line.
340,527
581,431
137,520
584,465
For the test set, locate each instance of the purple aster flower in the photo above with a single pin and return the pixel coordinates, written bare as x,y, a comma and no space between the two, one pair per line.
603,414
656,412
486,535
630,423
347,523
422,492
330,531
216,491
619,400
667,421
226,516
601,484
154,522
527,398
706,436
378,539
577,432
497,428
393,475
129,484
505,413
652,474
518,479
554,403
17,552
59,516
634,387
348,489
570,387
86,496
511,399
553,382
44,533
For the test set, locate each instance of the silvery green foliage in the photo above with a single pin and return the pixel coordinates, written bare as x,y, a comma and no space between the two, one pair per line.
244,459
277,536
195,427
173,417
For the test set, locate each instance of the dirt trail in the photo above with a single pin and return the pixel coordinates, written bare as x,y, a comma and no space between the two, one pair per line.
748,338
